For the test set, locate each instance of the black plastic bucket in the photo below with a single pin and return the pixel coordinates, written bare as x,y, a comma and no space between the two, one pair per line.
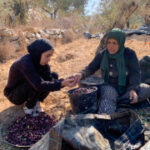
92,81
83,102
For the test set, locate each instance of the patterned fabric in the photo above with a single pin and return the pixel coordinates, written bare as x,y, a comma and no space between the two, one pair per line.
108,100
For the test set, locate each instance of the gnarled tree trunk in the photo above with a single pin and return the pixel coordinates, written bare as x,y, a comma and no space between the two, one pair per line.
120,21
147,14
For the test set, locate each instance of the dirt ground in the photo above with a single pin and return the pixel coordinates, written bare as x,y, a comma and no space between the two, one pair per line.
67,60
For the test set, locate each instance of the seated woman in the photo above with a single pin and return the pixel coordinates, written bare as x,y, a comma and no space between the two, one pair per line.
30,79
120,71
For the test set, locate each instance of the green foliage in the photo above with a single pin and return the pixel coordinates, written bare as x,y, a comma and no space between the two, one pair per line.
110,9
68,6
4,10
42,2
138,17
79,5
20,8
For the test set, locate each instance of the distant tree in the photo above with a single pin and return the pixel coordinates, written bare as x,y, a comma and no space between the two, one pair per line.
138,17
67,6
20,8
110,9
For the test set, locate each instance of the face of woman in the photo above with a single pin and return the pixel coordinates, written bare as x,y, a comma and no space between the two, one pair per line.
45,57
112,46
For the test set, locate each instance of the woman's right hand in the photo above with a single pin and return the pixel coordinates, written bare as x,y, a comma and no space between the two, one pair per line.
77,77
72,80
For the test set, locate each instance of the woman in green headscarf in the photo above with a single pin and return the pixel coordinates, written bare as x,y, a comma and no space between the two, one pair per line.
120,71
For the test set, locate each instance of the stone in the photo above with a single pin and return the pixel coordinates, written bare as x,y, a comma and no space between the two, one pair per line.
30,35
37,35
14,38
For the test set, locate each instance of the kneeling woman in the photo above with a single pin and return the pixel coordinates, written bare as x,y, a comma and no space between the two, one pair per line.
120,71
30,79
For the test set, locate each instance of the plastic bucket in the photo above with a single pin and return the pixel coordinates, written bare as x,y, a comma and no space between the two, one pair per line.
83,102
92,81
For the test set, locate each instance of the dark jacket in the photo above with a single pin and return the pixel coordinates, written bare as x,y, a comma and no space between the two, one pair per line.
132,69
28,69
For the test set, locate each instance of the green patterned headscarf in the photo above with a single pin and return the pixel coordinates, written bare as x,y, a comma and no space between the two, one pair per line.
119,36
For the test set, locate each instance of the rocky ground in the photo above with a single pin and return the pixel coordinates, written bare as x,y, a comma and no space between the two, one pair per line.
67,60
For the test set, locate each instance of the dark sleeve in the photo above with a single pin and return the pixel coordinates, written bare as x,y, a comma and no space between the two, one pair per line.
93,66
55,75
134,72
34,79
48,75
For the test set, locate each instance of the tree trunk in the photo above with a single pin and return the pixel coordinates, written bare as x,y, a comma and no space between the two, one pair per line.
128,24
147,14
55,13
120,21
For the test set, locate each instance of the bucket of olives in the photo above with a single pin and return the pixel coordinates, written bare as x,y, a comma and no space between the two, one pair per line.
83,99
92,81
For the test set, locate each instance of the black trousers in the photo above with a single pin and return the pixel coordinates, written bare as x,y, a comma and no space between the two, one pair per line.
25,93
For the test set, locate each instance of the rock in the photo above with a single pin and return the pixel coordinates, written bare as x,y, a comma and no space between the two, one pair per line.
41,32
146,146
52,32
27,41
6,32
87,35
97,36
32,39
22,35
37,35
58,31
14,38
30,35
147,136
60,36
44,35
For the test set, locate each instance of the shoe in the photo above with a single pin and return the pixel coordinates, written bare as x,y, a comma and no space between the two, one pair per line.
35,113
28,111
38,107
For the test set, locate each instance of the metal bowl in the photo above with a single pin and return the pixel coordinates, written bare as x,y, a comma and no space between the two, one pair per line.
92,81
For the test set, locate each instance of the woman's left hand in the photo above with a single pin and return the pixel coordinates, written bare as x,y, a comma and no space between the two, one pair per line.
133,97
67,82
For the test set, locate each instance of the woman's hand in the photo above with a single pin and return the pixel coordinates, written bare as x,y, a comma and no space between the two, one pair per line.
133,97
76,79
67,82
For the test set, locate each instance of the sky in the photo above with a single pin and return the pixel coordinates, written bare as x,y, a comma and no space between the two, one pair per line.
91,7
